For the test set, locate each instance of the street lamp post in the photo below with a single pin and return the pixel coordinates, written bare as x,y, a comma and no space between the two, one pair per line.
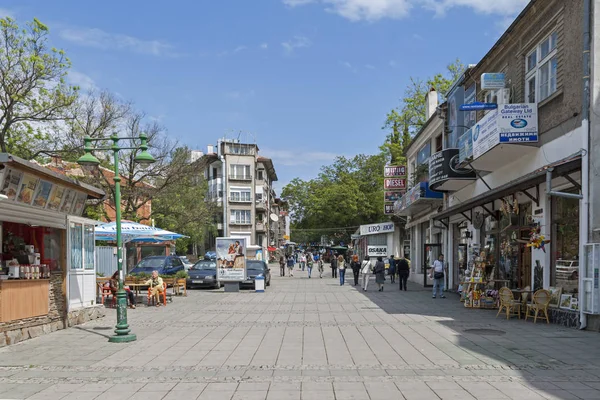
122,332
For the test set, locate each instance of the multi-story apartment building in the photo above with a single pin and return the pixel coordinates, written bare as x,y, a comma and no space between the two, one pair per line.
519,120
241,181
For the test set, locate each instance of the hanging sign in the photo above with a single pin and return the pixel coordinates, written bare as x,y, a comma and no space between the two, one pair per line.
493,81
518,123
388,208
478,106
374,229
394,184
394,171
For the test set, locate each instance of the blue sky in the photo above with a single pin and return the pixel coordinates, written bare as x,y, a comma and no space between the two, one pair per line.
307,79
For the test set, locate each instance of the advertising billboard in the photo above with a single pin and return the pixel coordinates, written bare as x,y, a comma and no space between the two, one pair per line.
231,259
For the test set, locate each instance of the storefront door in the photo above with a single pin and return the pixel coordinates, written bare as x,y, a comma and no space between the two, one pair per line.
81,263
431,252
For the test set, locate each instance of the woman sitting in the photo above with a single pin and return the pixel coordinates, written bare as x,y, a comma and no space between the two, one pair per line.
114,287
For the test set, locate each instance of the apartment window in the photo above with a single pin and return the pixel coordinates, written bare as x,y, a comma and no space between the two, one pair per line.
424,154
239,171
240,217
438,143
259,196
261,174
241,194
214,175
541,67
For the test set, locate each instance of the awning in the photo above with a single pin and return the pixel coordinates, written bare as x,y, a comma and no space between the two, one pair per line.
271,248
134,232
417,199
561,167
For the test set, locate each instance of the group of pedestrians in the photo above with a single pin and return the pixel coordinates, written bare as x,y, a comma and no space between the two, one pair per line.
306,262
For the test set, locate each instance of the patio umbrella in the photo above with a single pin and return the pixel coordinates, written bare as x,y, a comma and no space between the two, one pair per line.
134,232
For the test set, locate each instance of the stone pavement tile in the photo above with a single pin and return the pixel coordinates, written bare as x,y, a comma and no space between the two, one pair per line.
348,386
382,390
210,395
351,395
250,395
287,372
95,387
189,386
253,386
315,372
558,395
343,372
453,394
318,395
285,387
570,386
46,396
148,395
24,391
593,385
221,387
283,395
157,387
82,395
586,394
443,385
401,372
180,395
127,387
372,372
258,373
317,387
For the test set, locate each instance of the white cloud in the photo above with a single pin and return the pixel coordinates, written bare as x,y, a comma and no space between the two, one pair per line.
393,63
369,66
348,66
239,48
298,157
297,42
372,10
264,46
416,36
5,12
97,38
85,82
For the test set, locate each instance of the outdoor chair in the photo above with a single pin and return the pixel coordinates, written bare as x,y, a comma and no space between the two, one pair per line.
180,287
508,303
151,298
107,292
541,301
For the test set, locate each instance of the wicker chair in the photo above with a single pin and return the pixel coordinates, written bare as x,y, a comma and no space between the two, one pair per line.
541,301
508,303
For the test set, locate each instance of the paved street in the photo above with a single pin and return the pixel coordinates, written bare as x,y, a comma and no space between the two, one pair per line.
308,339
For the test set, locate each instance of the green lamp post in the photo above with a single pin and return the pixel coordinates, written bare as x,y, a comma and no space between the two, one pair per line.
122,332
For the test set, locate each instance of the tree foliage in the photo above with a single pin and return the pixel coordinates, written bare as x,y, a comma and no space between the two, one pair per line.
33,90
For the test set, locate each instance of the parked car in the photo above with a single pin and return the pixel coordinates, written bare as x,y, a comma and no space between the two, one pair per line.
165,265
186,263
210,255
203,274
255,268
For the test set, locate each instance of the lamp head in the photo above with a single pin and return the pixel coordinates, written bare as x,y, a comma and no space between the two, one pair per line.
88,159
144,158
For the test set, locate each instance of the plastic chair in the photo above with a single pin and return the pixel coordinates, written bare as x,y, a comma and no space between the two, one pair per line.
541,301
163,294
508,303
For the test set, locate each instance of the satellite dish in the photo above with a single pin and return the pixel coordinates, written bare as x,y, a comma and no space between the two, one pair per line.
274,217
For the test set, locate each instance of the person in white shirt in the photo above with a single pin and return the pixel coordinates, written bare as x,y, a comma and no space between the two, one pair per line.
365,269
438,270
302,261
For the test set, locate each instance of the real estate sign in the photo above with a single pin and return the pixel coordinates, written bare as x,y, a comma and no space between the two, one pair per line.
518,123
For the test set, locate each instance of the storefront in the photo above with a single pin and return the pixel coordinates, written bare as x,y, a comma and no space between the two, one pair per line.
47,260
377,240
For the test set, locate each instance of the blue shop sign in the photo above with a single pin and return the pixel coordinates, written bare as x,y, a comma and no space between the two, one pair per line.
478,106
493,81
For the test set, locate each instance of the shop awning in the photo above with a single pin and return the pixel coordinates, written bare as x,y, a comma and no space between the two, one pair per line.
417,199
38,170
561,167
134,232
271,248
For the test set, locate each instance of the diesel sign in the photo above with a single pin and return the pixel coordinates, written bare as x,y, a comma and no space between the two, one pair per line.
376,251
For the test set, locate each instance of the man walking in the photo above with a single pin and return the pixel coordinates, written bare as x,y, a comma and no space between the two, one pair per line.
355,268
334,266
403,272
290,265
392,269
302,261
437,273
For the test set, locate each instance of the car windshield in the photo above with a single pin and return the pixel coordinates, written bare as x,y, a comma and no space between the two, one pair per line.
205,265
148,270
151,263
255,266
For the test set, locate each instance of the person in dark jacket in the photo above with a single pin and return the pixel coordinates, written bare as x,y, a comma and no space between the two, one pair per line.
392,269
355,268
403,272
379,271
282,266
334,266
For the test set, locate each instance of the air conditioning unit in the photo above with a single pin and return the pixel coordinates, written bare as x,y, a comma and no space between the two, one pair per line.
503,96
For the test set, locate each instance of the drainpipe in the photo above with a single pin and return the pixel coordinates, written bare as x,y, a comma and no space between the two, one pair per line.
585,161
225,180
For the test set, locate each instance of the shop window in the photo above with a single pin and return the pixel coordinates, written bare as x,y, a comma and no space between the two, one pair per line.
88,246
541,67
565,224
76,233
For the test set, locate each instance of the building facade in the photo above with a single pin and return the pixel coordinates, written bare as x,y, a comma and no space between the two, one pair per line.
241,182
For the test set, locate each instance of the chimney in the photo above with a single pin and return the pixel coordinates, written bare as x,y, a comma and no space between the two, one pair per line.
210,149
431,102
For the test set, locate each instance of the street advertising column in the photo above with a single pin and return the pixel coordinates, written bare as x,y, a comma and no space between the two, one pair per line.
231,259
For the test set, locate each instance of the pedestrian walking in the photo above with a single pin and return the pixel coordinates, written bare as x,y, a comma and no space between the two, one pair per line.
355,268
320,266
282,266
302,261
365,269
403,272
290,265
333,266
437,273
379,271
342,269
309,264
392,269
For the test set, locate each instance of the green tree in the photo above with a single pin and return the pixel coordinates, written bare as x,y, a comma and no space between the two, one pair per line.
33,90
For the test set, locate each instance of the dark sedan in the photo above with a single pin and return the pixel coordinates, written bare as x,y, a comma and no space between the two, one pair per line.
165,265
255,268
203,274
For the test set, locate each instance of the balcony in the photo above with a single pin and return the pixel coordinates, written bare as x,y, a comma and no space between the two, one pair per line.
261,206
240,223
240,200
417,199
260,226
241,178
508,133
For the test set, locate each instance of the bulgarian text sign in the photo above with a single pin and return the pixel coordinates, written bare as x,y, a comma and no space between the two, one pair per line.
394,171
465,146
518,123
377,251
485,134
394,184
374,229
493,81
443,166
